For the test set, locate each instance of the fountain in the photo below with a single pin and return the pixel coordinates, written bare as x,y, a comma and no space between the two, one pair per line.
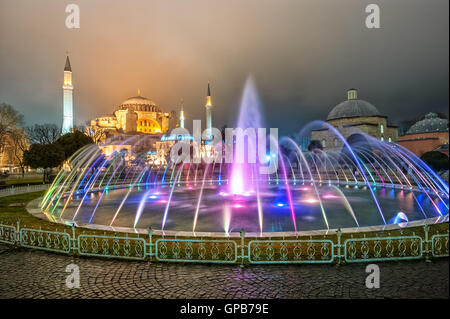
362,184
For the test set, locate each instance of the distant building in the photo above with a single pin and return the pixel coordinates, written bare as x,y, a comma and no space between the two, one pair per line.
427,135
136,115
352,117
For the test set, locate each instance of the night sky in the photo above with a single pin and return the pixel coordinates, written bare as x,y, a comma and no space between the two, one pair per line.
303,55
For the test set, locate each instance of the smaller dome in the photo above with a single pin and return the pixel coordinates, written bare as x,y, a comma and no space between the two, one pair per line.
431,123
353,107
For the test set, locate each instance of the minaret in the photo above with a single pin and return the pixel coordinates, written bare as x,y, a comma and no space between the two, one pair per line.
209,113
182,115
67,98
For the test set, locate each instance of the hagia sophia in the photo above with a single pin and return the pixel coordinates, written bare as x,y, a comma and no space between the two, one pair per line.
136,115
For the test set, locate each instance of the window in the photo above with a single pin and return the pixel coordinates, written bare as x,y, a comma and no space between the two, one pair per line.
335,142
381,128
390,140
324,143
382,138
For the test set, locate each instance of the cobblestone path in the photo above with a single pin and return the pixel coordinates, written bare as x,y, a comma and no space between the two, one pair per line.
26,273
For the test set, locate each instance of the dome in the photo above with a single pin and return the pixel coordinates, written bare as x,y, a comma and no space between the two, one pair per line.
140,103
353,107
431,123
138,100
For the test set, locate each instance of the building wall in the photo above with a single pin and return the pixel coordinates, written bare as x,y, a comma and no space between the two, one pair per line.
423,142
376,126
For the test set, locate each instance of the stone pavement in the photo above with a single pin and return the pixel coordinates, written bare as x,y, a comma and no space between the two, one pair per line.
25,273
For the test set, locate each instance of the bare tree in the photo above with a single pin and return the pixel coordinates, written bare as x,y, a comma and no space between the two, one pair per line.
9,119
43,133
98,135
18,145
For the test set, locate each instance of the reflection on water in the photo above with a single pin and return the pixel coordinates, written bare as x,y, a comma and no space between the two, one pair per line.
221,211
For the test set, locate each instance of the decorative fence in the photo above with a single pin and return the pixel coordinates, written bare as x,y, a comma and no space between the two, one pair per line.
23,189
233,250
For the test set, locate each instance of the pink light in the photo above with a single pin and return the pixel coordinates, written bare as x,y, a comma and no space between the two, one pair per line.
238,206
237,180
311,201
163,201
329,196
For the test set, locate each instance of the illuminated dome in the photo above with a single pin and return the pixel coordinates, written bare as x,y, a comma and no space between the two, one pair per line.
431,123
139,103
353,107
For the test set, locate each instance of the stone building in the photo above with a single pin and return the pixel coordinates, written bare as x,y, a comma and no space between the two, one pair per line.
427,135
352,117
136,115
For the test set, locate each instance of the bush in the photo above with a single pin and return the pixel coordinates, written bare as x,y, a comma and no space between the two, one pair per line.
436,160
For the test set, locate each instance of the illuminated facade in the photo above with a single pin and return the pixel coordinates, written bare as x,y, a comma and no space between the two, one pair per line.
136,115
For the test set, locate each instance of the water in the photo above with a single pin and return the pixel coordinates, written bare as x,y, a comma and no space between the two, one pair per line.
242,209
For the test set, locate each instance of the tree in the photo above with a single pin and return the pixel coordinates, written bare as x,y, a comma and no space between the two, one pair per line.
43,133
72,142
97,135
9,119
44,156
436,160
19,144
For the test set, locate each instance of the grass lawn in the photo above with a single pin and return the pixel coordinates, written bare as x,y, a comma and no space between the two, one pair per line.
26,181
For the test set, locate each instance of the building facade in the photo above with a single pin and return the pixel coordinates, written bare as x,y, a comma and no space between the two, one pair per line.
427,135
136,115
352,117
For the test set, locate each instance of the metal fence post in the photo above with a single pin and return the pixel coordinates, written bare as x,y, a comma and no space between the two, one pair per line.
18,231
74,245
242,246
339,233
426,229
150,234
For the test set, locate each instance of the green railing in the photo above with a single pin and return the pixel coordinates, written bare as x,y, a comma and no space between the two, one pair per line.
196,250
439,245
8,234
383,248
236,250
290,251
45,240
112,247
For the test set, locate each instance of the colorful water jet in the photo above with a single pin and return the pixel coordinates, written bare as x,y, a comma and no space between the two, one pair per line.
361,184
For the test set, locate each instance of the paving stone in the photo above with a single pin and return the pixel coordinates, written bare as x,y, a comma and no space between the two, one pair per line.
38,274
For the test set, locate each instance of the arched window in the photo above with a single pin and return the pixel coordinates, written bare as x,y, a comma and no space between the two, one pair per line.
324,143
390,140
336,142
381,128
382,138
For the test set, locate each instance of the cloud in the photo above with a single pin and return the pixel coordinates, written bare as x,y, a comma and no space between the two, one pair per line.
304,55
